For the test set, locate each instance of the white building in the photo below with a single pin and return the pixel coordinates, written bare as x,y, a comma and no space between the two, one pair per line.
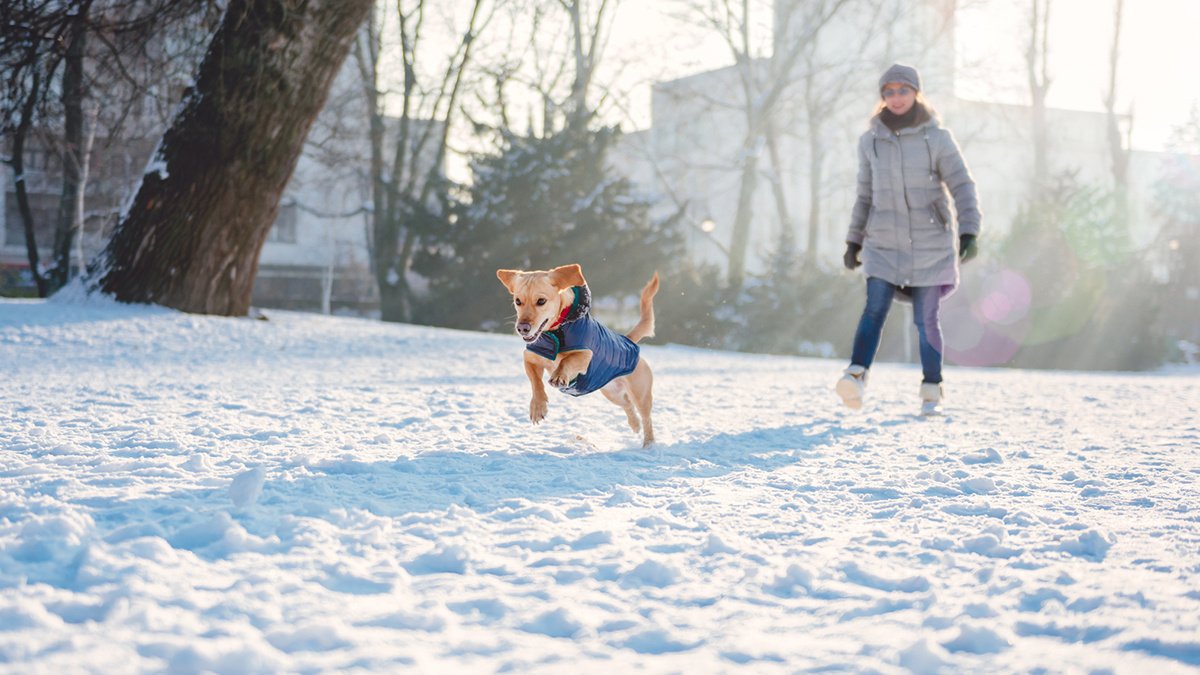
315,256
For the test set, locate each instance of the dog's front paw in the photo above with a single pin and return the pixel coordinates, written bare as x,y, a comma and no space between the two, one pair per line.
537,410
562,377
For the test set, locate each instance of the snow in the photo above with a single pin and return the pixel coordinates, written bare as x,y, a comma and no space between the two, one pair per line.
247,486
311,493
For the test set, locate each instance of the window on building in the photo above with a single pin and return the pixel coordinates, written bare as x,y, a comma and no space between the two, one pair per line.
283,231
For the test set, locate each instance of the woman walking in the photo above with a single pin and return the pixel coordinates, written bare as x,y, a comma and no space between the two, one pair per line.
902,230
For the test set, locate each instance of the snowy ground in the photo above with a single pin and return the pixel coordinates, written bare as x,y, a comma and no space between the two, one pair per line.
312,494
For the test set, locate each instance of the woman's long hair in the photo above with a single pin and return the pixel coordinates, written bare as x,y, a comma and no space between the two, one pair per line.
929,110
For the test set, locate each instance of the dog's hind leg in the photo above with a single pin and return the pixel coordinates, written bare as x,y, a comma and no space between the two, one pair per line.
641,390
618,392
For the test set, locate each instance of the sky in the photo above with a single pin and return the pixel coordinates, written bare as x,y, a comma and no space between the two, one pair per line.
1159,56
1157,73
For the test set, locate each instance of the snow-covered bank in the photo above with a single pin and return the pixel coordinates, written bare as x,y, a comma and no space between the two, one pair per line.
309,493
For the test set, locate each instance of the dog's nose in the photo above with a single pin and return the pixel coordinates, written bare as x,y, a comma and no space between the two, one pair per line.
524,327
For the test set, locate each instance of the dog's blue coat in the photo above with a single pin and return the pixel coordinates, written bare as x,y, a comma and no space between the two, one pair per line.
613,355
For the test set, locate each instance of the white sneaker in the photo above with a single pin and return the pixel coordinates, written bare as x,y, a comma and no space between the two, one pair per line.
852,385
931,398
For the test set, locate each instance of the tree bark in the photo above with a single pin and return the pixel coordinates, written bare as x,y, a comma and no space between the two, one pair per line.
66,229
816,178
747,186
17,161
192,237
777,188
586,59
80,194
1117,142
1036,61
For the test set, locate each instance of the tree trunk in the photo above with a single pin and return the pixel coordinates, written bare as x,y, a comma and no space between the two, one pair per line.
744,218
21,184
384,229
1041,163
1117,143
787,228
80,194
65,230
586,56
1036,61
390,265
816,167
578,112
192,237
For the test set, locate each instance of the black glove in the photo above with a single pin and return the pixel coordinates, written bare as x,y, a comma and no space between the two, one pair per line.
966,247
850,258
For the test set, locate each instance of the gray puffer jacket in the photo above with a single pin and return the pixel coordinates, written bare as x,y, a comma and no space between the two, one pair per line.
902,217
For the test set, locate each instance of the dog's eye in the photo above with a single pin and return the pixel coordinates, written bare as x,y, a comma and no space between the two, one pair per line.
541,301
517,303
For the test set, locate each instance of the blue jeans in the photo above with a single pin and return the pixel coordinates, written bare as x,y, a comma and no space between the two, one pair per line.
926,303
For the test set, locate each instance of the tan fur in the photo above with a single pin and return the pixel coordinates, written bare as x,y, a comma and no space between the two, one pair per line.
632,392
645,325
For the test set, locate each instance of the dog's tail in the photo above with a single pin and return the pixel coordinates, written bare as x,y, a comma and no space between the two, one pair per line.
645,325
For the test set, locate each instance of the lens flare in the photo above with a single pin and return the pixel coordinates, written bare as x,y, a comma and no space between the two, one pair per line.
1007,298
986,327
1070,310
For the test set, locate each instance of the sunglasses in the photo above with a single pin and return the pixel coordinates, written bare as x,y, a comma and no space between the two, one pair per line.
899,91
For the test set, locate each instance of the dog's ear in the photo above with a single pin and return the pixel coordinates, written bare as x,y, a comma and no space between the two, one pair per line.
567,276
506,277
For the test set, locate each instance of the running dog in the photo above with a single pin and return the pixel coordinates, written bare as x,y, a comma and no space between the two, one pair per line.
580,353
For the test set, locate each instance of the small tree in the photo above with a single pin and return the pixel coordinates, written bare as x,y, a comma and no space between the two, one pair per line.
538,203
1093,302
1177,248
409,189
794,307
696,307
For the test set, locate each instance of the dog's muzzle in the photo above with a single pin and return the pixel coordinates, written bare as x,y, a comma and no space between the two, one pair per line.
524,329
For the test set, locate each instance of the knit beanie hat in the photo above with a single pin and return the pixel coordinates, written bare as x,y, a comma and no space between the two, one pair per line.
903,74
